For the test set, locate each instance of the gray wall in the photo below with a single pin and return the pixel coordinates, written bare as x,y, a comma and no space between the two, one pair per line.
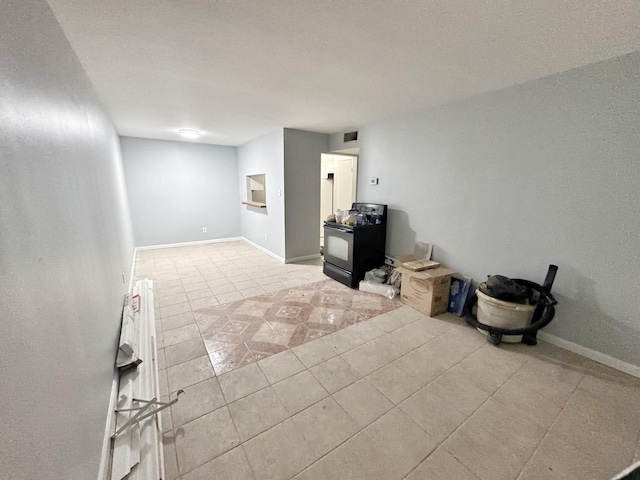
302,161
65,241
264,155
510,181
176,188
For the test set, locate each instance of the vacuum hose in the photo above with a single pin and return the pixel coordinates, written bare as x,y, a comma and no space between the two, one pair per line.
542,316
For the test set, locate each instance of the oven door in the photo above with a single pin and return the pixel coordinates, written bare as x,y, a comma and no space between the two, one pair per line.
338,247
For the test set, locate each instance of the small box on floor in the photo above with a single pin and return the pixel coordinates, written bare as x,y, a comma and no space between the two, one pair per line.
460,287
427,291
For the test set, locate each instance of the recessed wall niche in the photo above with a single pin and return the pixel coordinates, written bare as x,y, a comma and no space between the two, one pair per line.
256,191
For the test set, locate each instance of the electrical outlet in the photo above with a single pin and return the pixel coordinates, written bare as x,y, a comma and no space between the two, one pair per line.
266,236
279,192
204,229
123,278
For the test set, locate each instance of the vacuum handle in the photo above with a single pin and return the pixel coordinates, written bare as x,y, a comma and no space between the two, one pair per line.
551,276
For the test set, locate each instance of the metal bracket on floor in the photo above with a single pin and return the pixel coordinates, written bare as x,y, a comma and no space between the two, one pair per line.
141,415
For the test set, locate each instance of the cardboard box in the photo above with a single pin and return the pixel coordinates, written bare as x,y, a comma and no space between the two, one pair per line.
426,291
460,287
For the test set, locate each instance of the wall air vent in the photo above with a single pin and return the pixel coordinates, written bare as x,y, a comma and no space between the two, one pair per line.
350,137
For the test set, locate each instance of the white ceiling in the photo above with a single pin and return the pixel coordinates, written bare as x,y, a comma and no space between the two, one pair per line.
239,69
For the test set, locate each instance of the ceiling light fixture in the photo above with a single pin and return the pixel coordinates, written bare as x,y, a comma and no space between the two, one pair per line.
189,133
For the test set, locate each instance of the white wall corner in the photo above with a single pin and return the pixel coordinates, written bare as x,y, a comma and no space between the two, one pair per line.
302,259
262,249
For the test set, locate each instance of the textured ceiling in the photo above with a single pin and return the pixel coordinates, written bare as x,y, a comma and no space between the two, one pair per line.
239,69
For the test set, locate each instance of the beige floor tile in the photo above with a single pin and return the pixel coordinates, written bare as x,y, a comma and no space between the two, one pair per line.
162,361
325,426
176,321
556,384
312,353
163,384
221,289
203,303
279,453
201,293
529,402
280,366
610,444
441,465
170,458
180,334
185,351
228,297
174,309
196,287
343,340
365,332
363,402
257,412
335,374
204,438
557,459
299,392
232,465
198,399
417,364
402,440
356,459
484,454
216,280
433,413
407,314
367,358
167,421
165,301
395,384
166,291
461,395
243,285
242,382
387,322
189,373
520,432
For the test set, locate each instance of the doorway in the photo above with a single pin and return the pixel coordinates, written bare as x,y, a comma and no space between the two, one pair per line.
338,181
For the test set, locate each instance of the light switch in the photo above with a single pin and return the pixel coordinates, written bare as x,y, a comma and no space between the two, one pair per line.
373,181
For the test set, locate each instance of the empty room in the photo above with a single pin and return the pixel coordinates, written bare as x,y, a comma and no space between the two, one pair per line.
272,240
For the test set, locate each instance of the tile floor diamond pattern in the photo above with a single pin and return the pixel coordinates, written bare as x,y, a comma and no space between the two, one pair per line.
314,394
268,324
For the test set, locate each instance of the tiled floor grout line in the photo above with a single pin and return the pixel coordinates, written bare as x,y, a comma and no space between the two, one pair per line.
329,395
393,403
546,434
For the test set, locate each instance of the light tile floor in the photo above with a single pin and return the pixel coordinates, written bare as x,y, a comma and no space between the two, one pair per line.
397,396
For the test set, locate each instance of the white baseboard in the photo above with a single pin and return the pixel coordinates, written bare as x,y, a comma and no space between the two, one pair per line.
302,259
264,250
628,368
187,244
105,458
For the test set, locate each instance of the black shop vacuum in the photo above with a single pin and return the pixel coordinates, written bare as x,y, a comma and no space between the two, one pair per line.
512,310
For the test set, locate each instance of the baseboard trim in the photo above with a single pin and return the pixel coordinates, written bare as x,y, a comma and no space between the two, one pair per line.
264,250
302,259
628,368
105,458
187,244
